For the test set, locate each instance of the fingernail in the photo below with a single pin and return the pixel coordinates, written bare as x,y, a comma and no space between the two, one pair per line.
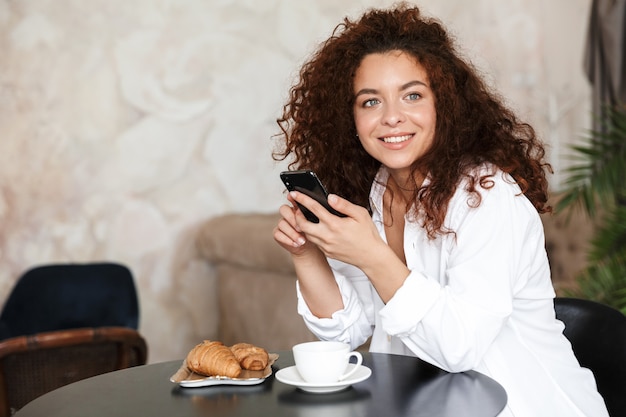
300,242
332,198
292,194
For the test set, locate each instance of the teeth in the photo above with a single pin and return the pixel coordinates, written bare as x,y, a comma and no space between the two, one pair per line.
397,139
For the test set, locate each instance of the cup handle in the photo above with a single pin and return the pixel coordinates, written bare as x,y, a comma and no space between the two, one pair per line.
359,361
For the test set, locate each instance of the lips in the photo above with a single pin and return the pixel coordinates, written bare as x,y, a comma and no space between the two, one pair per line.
396,139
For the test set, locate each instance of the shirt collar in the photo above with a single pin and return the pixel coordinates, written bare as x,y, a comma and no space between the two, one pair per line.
378,189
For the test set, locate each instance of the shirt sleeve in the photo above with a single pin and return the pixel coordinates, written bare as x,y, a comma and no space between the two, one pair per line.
354,323
452,320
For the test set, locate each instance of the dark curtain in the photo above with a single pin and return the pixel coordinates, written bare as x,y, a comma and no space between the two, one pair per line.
605,55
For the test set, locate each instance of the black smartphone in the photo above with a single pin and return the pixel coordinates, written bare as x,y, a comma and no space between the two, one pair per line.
306,182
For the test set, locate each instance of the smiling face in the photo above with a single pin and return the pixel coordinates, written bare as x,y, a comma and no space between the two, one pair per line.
394,110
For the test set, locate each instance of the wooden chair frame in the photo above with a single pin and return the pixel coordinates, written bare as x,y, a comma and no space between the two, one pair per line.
101,350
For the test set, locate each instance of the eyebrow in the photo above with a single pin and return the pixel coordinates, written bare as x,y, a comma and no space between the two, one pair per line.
402,88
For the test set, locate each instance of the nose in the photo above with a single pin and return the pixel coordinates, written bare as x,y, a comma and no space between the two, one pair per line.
393,115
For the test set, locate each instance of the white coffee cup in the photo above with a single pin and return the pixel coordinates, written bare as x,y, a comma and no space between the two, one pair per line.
325,362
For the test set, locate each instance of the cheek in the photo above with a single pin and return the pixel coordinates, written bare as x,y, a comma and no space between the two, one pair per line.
371,150
427,120
432,121
363,123
366,142
358,124
363,143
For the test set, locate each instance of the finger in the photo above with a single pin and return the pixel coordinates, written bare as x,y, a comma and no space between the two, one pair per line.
344,206
286,242
298,215
286,212
285,234
311,204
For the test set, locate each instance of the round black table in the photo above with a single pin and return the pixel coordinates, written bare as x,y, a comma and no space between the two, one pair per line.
399,386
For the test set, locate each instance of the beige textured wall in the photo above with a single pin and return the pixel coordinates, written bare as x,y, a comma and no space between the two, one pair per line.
124,124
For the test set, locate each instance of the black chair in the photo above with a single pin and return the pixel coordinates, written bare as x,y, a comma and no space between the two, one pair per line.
70,296
597,333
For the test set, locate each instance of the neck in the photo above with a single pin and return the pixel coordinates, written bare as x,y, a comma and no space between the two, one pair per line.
406,183
405,187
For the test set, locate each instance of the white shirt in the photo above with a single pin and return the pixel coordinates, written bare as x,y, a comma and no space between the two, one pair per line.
479,299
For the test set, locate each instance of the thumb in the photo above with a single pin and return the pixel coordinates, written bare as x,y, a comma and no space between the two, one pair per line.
340,204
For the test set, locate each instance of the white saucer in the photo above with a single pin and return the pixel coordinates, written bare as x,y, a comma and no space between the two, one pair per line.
290,376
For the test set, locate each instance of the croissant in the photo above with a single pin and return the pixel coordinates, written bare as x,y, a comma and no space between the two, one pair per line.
250,357
212,358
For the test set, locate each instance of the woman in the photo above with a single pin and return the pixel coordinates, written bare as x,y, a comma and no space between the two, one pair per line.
441,254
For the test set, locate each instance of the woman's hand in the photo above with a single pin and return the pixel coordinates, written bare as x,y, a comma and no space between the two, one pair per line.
351,239
317,283
287,233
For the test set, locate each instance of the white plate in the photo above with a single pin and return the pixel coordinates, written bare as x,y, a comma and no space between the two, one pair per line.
219,380
290,376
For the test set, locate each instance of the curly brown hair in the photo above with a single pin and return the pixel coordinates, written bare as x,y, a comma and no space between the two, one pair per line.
473,127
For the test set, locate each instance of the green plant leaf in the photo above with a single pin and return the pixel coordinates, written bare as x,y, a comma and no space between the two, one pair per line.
596,182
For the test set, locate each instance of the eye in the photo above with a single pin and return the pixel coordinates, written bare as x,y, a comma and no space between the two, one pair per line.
370,102
413,96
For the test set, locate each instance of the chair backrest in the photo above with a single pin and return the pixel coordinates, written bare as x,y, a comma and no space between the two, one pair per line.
33,365
597,333
69,296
